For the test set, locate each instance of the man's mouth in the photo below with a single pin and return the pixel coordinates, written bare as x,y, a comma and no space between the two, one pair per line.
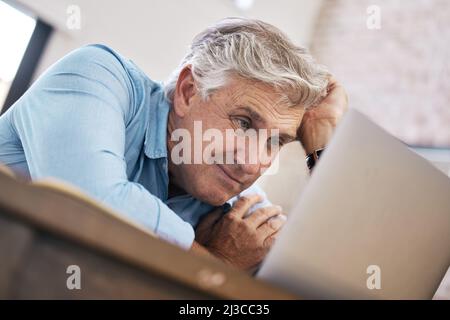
228,174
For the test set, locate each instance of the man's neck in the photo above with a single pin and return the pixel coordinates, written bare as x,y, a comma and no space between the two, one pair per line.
174,189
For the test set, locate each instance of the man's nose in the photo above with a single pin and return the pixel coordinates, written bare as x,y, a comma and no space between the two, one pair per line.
251,164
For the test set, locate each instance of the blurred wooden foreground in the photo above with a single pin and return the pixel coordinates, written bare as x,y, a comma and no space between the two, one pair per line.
48,226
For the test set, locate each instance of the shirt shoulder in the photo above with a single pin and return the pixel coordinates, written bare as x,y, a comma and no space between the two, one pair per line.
141,88
116,79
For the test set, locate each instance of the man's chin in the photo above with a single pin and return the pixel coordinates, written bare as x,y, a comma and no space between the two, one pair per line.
215,200
214,197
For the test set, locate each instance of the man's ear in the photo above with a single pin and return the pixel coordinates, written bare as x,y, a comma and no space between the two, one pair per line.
184,91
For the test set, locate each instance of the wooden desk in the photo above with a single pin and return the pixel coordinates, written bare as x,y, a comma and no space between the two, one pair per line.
43,231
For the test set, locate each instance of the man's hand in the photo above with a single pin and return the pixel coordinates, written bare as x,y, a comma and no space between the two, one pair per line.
319,122
242,242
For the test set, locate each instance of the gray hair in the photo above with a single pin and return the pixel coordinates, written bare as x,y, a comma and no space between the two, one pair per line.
254,50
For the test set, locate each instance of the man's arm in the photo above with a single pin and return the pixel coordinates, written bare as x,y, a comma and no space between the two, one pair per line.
319,122
71,123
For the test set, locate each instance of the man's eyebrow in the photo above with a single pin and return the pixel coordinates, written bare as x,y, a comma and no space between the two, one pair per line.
255,115
287,137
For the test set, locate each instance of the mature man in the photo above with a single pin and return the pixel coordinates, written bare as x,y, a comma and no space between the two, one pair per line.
96,120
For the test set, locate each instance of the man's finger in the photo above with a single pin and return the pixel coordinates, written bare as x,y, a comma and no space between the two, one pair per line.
272,225
269,241
243,204
258,217
210,219
204,228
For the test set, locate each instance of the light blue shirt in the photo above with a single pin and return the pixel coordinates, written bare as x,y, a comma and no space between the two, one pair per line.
95,120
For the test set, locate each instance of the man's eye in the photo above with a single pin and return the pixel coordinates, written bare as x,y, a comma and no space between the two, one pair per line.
243,123
275,141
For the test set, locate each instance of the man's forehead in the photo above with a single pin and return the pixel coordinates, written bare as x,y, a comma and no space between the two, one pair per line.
262,103
287,122
256,94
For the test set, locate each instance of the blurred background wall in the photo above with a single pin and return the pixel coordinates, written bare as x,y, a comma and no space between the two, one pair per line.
155,34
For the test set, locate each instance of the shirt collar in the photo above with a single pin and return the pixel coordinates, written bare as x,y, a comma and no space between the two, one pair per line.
155,142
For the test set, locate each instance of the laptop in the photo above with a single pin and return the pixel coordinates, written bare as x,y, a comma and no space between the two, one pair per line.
372,223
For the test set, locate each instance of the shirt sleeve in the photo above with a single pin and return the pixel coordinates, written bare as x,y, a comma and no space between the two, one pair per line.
71,124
